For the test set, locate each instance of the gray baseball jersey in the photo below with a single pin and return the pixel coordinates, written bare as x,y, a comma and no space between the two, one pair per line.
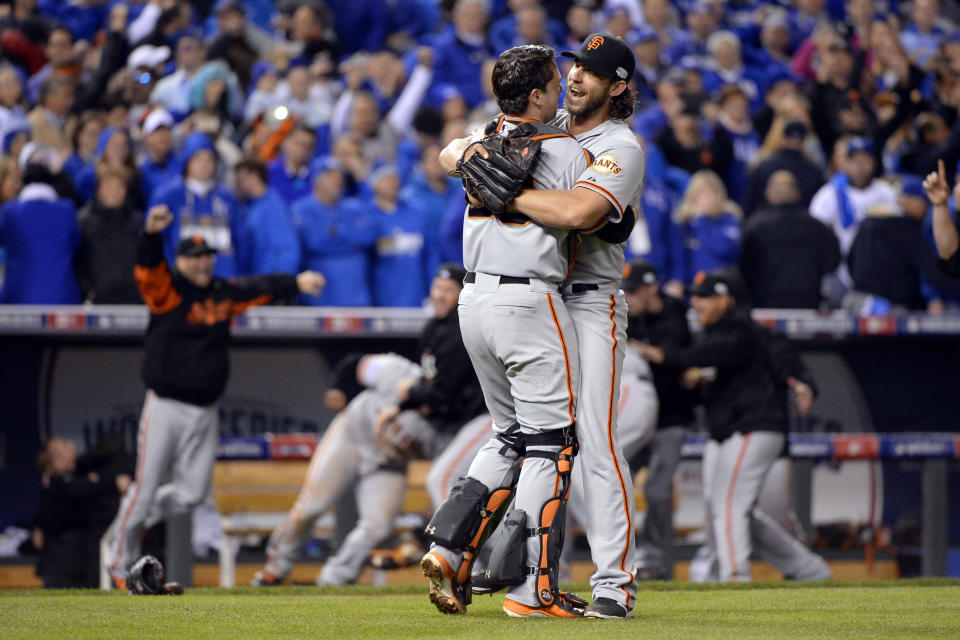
514,245
617,174
600,319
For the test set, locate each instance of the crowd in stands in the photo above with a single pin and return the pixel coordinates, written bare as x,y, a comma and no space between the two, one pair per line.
788,138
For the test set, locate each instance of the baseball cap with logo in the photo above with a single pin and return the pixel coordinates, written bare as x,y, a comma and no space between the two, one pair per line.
638,274
194,246
605,55
711,284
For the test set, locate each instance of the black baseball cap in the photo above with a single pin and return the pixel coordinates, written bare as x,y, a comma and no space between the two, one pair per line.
194,246
638,274
451,271
605,55
711,284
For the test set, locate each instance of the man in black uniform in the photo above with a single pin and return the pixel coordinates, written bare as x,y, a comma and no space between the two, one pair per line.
185,368
659,320
745,402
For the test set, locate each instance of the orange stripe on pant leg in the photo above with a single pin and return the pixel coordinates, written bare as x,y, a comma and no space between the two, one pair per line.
728,525
445,480
566,359
613,450
138,478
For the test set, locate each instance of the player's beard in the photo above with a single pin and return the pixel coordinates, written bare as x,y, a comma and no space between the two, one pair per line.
590,106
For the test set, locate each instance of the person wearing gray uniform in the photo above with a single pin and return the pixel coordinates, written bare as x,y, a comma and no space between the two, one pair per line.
601,209
745,390
524,349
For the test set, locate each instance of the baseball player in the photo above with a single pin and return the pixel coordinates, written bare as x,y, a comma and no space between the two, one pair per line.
523,346
602,204
402,413
745,400
660,320
185,369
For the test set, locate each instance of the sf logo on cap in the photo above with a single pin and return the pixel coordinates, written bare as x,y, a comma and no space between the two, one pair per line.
596,43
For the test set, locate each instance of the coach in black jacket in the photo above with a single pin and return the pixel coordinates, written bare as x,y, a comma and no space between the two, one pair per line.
745,404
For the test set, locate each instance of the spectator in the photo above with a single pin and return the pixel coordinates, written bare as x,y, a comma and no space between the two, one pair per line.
785,252
661,15
304,100
804,17
430,190
461,50
39,232
406,252
50,122
289,174
514,29
11,98
922,37
659,320
110,228
81,164
844,202
579,23
934,141
270,244
312,28
726,67
360,24
63,57
773,55
710,223
231,42
890,260
158,163
115,149
734,118
650,63
789,156
780,87
202,207
692,47
945,232
11,181
692,144
336,237
172,91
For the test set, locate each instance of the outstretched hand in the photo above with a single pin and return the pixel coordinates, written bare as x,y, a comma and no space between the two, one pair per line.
158,218
311,283
936,186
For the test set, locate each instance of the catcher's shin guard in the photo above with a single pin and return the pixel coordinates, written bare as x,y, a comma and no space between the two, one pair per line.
552,523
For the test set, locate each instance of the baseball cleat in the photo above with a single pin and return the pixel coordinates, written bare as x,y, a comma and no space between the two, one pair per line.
119,584
565,605
265,579
446,594
607,608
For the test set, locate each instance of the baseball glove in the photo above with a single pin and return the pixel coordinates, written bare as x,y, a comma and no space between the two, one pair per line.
499,178
404,435
145,578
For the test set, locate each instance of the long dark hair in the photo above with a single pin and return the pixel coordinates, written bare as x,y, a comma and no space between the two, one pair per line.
623,105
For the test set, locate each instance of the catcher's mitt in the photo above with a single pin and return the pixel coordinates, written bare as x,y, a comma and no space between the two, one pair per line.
404,436
499,178
145,578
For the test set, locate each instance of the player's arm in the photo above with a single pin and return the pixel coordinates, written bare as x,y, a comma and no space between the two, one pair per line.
574,209
151,271
260,290
732,349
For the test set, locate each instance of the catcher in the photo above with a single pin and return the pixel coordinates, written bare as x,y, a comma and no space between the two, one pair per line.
405,412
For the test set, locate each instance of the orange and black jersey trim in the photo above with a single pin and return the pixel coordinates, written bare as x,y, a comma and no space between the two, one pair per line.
186,351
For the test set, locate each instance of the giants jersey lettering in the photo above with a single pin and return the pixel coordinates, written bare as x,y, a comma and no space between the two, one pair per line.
514,245
617,175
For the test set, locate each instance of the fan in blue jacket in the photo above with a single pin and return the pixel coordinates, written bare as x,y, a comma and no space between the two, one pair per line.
202,207
406,251
336,237
39,232
270,244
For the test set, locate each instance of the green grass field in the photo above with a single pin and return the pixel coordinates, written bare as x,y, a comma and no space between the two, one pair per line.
902,609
